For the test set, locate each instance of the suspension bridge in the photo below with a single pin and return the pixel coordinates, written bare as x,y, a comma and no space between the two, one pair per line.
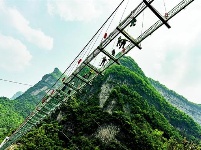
73,80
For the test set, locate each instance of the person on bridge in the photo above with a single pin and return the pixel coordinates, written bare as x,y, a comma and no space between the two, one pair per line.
123,43
119,41
87,75
104,59
113,52
73,83
69,91
64,87
133,22
90,73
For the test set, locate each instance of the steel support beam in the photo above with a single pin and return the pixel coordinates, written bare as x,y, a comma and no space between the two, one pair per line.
157,13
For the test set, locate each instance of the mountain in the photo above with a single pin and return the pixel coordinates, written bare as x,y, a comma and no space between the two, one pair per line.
121,110
16,95
192,109
25,103
13,112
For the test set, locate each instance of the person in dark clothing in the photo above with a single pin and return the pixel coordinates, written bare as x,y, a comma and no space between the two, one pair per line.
133,22
69,91
64,87
123,43
104,59
119,41
90,73
113,52
87,75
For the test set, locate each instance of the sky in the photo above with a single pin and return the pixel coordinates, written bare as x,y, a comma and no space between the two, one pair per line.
38,35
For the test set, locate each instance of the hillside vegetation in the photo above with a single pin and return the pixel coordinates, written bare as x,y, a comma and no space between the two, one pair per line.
192,109
13,112
9,119
28,101
121,110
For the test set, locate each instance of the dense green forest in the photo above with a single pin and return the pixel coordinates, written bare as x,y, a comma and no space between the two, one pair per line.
9,118
121,110
86,126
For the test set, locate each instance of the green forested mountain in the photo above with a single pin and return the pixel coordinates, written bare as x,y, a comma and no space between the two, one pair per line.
28,101
13,112
9,118
121,110
193,110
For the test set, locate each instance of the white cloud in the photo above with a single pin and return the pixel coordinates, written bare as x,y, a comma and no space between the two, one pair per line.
14,55
34,36
17,20
78,10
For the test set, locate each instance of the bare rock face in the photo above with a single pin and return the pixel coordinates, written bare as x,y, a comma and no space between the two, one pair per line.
36,92
106,88
107,133
60,116
16,95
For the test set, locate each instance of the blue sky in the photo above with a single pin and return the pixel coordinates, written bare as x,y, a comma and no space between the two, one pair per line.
38,35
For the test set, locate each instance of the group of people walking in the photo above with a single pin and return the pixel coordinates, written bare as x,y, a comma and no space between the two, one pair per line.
120,43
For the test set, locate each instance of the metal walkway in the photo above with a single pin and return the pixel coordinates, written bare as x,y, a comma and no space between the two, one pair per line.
76,81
